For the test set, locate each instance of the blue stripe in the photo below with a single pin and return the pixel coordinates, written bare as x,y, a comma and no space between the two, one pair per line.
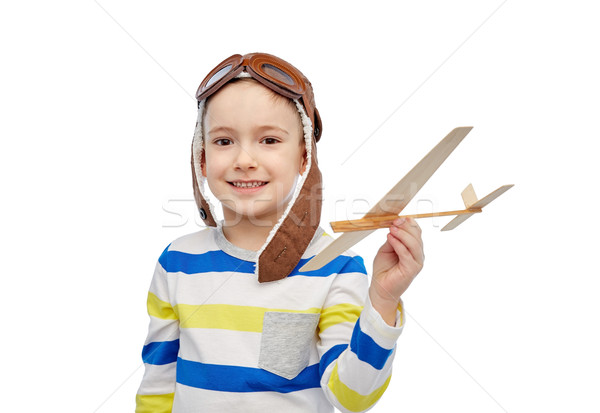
211,261
330,356
367,349
342,264
161,352
242,379
219,261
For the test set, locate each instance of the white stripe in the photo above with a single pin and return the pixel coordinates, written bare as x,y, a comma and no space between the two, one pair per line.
162,330
214,346
158,379
158,286
297,293
309,400
336,334
350,287
196,243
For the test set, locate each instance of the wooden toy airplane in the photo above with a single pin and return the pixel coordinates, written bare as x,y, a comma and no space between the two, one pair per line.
386,211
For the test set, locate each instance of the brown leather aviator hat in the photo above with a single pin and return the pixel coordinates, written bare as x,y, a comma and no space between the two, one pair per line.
290,237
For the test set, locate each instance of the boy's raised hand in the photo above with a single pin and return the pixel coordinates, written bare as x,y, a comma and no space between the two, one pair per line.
396,264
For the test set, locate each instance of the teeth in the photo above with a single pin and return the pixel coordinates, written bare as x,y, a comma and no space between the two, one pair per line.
247,184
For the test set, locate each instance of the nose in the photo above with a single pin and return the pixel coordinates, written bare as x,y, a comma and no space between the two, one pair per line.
244,160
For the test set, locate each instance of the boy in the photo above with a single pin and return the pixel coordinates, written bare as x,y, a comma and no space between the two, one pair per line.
234,325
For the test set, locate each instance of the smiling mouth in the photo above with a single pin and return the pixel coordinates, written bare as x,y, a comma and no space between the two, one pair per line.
251,184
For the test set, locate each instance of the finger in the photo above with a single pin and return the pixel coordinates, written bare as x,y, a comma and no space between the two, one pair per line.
386,248
411,236
414,231
414,225
386,256
410,224
411,241
400,248
404,256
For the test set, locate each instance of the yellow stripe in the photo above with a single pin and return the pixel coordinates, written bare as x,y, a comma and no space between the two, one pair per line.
350,399
160,309
227,317
154,403
339,313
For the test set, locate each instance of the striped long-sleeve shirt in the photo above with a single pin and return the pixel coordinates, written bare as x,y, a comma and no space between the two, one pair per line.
219,341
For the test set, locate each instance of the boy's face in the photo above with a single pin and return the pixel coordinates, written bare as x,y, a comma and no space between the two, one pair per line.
254,152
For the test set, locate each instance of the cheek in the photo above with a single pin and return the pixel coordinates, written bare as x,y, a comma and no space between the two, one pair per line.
215,161
212,168
292,163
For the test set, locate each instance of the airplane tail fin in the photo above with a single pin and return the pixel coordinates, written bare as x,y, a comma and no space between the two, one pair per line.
471,202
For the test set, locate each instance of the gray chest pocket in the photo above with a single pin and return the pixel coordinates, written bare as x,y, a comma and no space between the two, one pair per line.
286,341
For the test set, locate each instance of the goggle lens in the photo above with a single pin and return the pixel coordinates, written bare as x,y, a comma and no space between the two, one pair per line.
218,76
278,74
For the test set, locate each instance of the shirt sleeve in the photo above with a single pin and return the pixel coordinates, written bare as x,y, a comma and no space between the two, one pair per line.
356,345
156,392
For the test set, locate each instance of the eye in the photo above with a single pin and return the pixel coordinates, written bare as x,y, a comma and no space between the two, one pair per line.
222,141
269,140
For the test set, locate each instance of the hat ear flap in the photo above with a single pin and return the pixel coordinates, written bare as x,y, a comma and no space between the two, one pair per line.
201,203
284,251
199,161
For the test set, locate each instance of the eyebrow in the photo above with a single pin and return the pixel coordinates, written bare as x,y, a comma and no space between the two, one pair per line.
272,127
262,128
220,129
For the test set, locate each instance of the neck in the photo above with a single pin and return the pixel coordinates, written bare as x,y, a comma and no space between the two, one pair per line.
246,234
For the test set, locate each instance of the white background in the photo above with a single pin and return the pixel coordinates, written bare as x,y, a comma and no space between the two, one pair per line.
98,113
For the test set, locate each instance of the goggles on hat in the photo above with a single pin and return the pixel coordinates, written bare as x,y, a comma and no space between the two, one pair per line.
272,72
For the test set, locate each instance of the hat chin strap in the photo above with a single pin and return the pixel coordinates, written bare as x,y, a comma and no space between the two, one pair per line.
295,229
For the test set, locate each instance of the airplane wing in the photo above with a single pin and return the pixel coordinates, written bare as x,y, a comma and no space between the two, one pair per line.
397,198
